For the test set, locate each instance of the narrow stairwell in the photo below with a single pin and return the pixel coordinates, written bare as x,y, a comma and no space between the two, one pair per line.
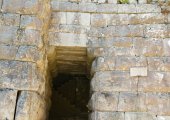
70,97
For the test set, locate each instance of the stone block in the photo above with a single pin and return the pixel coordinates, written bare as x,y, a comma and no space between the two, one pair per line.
8,34
31,22
148,8
156,31
87,7
67,39
21,6
122,19
133,1
107,116
107,8
159,64
158,103
126,8
122,31
125,63
30,106
117,42
77,29
149,18
113,81
7,102
0,2
20,75
29,37
132,102
168,30
155,82
8,52
10,19
59,18
148,47
139,116
64,6
101,1
136,30
106,102
28,53
168,18
142,1
78,18
166,44
103,64
138,71
99,20
112,1
163,117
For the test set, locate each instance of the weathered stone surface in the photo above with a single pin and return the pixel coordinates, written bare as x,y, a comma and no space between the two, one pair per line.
8,34
125,8
64,6
132,102
125,63
150,18
159,64
105,102
163,117
103,64
107,8
20,75
29,37
78,18
148,47
30,106
76,29
107,116
113,81
28,53
117,42
139,116
7,103
59,18
67,39
21,6
158,103
138,71
166,44
9,19
148,8
156,31
99,20
31,22
155,82
8,52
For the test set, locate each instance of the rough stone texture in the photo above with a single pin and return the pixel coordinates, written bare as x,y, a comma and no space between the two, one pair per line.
30,106
113,81
104,102
7,103
117,37
107,116
138,71
19,75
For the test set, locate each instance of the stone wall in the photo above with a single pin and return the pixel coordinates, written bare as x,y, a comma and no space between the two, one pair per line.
127,44
24,90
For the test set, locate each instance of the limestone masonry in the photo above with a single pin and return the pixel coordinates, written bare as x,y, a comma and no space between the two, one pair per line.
124,48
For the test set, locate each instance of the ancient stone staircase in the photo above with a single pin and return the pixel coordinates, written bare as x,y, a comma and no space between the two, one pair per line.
68,101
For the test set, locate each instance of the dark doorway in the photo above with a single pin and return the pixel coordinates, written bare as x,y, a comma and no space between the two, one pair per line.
70,97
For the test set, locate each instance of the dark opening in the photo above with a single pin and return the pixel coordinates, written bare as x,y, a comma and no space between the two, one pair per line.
70,97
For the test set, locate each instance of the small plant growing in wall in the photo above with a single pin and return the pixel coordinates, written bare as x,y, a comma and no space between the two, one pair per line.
123,1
